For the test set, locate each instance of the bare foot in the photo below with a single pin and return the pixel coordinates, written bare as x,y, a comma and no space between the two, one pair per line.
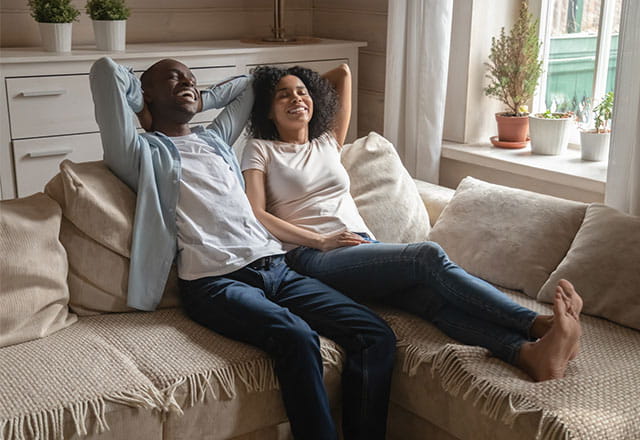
571,297
574,305
548,357
541,325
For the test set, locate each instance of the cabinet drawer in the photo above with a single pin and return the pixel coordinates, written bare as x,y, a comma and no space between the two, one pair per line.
51,105
37,160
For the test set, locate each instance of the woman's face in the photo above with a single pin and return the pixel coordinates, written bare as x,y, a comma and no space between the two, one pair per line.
292,107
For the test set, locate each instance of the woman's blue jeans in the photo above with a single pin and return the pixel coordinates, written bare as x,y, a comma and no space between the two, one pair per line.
268,305
419,278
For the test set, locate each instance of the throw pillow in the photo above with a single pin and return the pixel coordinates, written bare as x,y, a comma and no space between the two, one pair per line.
509,237
33,271
603,264
98,210
384,192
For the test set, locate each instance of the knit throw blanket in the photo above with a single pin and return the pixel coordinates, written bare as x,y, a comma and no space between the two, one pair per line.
597,399
135,359
141,359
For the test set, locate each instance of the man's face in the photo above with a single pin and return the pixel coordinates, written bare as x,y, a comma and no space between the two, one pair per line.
170,91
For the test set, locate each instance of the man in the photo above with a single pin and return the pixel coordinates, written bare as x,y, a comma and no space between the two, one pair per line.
233,278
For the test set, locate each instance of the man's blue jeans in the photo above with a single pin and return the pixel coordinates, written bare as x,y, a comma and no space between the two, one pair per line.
420,278
268,305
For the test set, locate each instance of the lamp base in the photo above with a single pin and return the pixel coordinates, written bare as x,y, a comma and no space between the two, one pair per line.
279,39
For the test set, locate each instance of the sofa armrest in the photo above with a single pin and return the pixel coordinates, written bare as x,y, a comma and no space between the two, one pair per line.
434,197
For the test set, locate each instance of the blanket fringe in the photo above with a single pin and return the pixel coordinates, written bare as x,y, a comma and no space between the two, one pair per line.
49,424
495,403
256,375
332,356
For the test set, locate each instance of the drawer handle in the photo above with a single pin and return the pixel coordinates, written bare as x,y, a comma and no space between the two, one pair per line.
60,152
43,93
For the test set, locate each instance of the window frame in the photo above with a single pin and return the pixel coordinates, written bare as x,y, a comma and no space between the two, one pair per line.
541,9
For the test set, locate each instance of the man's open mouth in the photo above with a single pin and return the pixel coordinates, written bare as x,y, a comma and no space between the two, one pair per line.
188,95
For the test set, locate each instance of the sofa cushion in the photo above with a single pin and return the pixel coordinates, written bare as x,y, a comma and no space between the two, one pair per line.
603,263
440,379
33,270
98,210
384,192
509,237
434,197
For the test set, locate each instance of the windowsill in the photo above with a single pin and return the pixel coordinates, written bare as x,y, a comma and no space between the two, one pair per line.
566,169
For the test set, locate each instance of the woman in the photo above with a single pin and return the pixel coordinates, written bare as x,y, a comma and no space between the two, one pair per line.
299,190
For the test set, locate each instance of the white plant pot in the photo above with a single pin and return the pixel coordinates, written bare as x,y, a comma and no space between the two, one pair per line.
594,146
110,34
56,37
549,136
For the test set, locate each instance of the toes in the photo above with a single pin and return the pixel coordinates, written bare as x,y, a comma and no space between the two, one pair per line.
559,305
566,286
574,300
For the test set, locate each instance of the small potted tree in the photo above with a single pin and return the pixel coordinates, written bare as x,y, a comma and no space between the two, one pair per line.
513,72
109,23
55,19
550,132
594,143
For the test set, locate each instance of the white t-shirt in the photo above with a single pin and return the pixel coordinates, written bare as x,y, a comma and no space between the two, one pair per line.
306,184
217,230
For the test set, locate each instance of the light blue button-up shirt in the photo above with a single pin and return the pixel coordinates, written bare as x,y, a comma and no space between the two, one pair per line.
150,164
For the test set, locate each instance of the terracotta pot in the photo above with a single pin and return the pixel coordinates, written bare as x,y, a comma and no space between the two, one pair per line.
512,128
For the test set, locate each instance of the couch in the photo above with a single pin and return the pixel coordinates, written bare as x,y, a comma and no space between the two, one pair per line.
76,362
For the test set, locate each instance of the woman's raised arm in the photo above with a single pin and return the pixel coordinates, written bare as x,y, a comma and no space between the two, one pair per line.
340,77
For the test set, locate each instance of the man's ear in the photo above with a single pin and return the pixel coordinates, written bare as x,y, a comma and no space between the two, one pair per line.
146,97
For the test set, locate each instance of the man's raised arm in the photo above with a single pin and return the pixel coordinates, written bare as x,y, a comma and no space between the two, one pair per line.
236,95
117,95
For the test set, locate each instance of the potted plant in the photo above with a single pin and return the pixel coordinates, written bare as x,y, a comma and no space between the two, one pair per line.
109,23
550,132
594,143
55,18
514,70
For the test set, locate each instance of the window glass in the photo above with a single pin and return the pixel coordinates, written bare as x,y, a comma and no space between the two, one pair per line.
573,43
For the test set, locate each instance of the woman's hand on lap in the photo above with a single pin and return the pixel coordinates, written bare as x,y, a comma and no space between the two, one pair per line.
340,239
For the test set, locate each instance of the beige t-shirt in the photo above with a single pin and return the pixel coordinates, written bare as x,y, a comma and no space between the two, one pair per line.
306,184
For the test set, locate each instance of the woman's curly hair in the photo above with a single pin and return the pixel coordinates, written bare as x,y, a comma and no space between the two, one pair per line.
265,79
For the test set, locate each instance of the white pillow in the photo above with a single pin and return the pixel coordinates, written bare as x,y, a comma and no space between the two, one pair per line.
384,192
603,264
507,236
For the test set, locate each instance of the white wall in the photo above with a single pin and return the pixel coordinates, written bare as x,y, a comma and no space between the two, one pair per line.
469,115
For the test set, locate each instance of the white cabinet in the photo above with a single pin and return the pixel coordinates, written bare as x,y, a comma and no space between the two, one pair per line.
46,110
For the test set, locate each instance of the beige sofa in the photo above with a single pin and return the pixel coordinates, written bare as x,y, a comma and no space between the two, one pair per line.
106,372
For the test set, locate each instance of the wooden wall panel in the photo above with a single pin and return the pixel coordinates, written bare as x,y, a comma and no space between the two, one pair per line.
161,20
360,20
370,112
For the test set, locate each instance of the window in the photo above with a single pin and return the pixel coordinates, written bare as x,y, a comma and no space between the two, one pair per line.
580,42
